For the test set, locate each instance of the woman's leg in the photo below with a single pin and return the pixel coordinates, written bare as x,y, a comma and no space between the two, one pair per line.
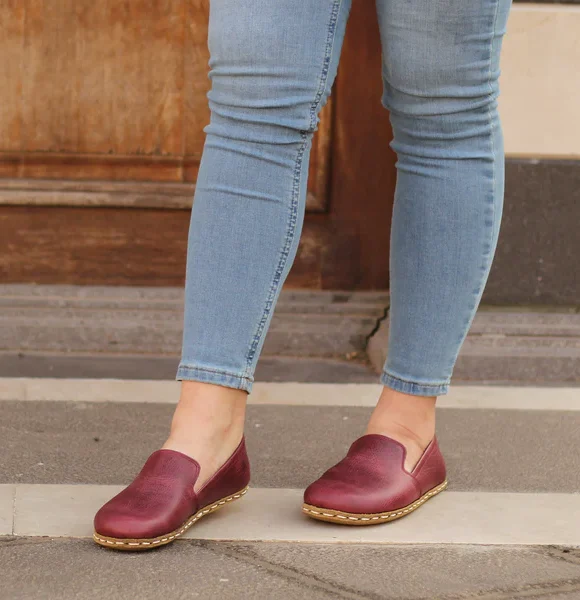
440,73
272,66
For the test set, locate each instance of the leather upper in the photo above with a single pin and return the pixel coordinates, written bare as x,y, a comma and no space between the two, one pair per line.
372,479
430,471
233,477
161,498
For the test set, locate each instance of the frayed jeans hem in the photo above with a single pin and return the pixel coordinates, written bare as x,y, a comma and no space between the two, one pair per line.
414,388
205,375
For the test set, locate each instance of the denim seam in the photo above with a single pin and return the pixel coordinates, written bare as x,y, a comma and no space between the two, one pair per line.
418,383
218,371
487,263
291,228
493,173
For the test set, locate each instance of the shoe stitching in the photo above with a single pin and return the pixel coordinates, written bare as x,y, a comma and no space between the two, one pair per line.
191,521
205,511
388,515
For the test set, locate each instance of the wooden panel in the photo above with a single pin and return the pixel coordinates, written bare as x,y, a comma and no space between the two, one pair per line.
323,249
131,194
99,76
53,165
103,90
319,174
363,164
114,246
12,17
117,91
195,75
93,245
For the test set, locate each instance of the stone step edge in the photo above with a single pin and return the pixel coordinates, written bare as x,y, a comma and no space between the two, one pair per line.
488,397
486,518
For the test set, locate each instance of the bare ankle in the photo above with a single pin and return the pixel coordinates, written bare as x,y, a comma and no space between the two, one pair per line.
411,435
208,424
409,419
209,404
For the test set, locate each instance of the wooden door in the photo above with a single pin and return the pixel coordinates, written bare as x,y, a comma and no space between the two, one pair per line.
102,110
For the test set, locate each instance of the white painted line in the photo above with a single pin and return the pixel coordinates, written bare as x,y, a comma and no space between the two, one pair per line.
298,394
512,398
365,394
89,390
276,515
13,388
449,518
6,508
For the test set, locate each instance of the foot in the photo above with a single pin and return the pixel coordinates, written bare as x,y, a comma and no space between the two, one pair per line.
159,505
369,485
202,466
407,419
208,425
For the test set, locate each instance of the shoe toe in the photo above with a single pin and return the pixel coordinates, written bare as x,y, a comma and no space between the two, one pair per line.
335,495
115,523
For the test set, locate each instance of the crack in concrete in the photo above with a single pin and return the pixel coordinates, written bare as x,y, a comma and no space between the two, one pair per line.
540,590
244,553
568,555
547,589
11,541
292,574
377,325
13,510
563,587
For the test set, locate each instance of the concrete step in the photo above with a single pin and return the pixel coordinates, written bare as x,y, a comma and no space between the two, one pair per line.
149,321
61,569
69,444
506,528
143,328
352,368
509,345
275,515
294,432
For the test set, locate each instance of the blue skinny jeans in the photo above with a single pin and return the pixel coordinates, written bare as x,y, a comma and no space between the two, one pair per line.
272,65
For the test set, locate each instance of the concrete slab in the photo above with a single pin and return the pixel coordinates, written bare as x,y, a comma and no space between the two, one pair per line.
269,368
289,393
509,345
290,446
6,508
518,366
423,571
96,320
57,510
117,297
60,570
65,365
36,569
276,515
14,388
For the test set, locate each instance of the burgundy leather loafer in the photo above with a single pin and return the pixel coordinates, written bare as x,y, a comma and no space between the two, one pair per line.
370,485
160,504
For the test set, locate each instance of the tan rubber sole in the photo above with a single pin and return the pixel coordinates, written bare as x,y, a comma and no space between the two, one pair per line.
162,540
346,518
